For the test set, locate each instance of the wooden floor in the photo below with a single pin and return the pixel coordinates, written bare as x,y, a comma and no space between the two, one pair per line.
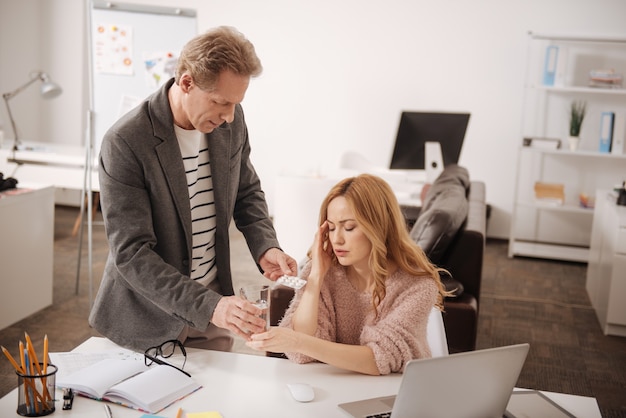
540,302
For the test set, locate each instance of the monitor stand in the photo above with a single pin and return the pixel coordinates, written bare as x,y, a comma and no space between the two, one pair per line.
433,161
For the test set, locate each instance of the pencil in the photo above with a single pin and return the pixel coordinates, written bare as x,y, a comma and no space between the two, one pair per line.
32,353
44,380
11,360
25,372
179,414
37,368
45,354
22,359
27,382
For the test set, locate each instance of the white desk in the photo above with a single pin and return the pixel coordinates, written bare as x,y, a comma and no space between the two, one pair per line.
62,166
26,251
243,385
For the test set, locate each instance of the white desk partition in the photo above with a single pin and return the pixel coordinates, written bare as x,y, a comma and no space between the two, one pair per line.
26,251
243,385
62,166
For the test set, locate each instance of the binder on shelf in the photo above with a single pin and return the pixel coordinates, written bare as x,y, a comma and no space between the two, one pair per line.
619,134
561,76
607,120
550,65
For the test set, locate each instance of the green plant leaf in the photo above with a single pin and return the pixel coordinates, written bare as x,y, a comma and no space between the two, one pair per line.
577,115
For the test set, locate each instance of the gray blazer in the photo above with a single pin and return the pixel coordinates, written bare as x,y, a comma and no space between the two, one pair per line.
146,296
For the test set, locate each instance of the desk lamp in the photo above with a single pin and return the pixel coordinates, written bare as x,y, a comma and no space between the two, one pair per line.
49,90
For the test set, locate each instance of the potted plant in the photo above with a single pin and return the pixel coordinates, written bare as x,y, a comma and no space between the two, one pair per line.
577,115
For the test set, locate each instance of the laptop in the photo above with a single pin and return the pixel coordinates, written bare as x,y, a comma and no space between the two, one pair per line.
470,384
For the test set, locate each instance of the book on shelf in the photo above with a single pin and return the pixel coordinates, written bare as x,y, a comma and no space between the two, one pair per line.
607,121
607,79
131,383
552,194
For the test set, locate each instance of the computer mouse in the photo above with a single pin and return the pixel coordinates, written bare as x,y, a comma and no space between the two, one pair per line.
301,392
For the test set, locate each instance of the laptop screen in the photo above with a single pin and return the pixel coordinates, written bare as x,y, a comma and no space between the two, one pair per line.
469,384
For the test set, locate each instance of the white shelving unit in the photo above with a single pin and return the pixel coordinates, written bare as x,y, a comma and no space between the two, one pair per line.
564,231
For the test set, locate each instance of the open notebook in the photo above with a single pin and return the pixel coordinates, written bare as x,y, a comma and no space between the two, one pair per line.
470,384
130,383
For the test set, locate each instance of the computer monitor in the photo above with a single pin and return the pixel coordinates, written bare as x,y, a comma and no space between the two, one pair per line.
417,128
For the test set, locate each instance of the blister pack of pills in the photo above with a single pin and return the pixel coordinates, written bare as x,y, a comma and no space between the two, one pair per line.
291,281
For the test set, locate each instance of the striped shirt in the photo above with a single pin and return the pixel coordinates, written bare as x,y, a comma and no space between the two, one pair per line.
195,151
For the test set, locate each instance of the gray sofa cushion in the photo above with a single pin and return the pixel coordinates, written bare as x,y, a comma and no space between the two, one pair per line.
444,210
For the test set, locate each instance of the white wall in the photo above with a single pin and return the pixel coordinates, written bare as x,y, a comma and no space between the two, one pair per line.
48,36
338,74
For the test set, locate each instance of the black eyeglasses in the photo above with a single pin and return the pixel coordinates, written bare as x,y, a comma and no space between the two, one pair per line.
165,350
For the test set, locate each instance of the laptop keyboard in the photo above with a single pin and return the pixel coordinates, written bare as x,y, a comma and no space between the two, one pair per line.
383,415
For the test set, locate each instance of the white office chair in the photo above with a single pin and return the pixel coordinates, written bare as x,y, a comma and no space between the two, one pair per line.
436,334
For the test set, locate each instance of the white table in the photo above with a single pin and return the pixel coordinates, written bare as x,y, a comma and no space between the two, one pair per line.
26,251
63,166
243,385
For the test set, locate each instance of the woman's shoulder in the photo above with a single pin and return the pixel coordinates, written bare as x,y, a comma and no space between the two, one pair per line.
403,281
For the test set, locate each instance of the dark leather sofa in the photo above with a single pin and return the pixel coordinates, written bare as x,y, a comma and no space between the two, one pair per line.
451,228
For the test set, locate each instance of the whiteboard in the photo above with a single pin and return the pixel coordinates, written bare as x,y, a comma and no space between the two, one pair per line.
132,48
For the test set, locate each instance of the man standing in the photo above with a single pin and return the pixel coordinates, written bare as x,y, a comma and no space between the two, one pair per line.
173,173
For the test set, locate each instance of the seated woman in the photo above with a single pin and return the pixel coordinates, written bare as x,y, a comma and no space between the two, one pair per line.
369,288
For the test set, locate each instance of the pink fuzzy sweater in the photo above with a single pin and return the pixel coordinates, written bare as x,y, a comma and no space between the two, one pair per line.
346,316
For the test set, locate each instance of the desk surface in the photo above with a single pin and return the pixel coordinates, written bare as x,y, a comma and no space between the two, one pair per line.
61,165
243,385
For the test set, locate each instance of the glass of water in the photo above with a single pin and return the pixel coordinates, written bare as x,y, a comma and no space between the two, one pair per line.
259,296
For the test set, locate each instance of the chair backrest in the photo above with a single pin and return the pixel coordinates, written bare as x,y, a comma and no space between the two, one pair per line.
436,334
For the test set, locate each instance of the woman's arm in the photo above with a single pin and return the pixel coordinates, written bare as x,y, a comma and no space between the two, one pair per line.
305,317
356,358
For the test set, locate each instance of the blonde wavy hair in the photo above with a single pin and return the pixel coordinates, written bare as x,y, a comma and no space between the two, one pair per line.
378,213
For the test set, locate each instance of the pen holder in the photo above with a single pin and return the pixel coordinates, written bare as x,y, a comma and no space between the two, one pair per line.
35,392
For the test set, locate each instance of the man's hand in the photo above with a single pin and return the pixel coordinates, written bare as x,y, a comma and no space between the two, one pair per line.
276,263
239,316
